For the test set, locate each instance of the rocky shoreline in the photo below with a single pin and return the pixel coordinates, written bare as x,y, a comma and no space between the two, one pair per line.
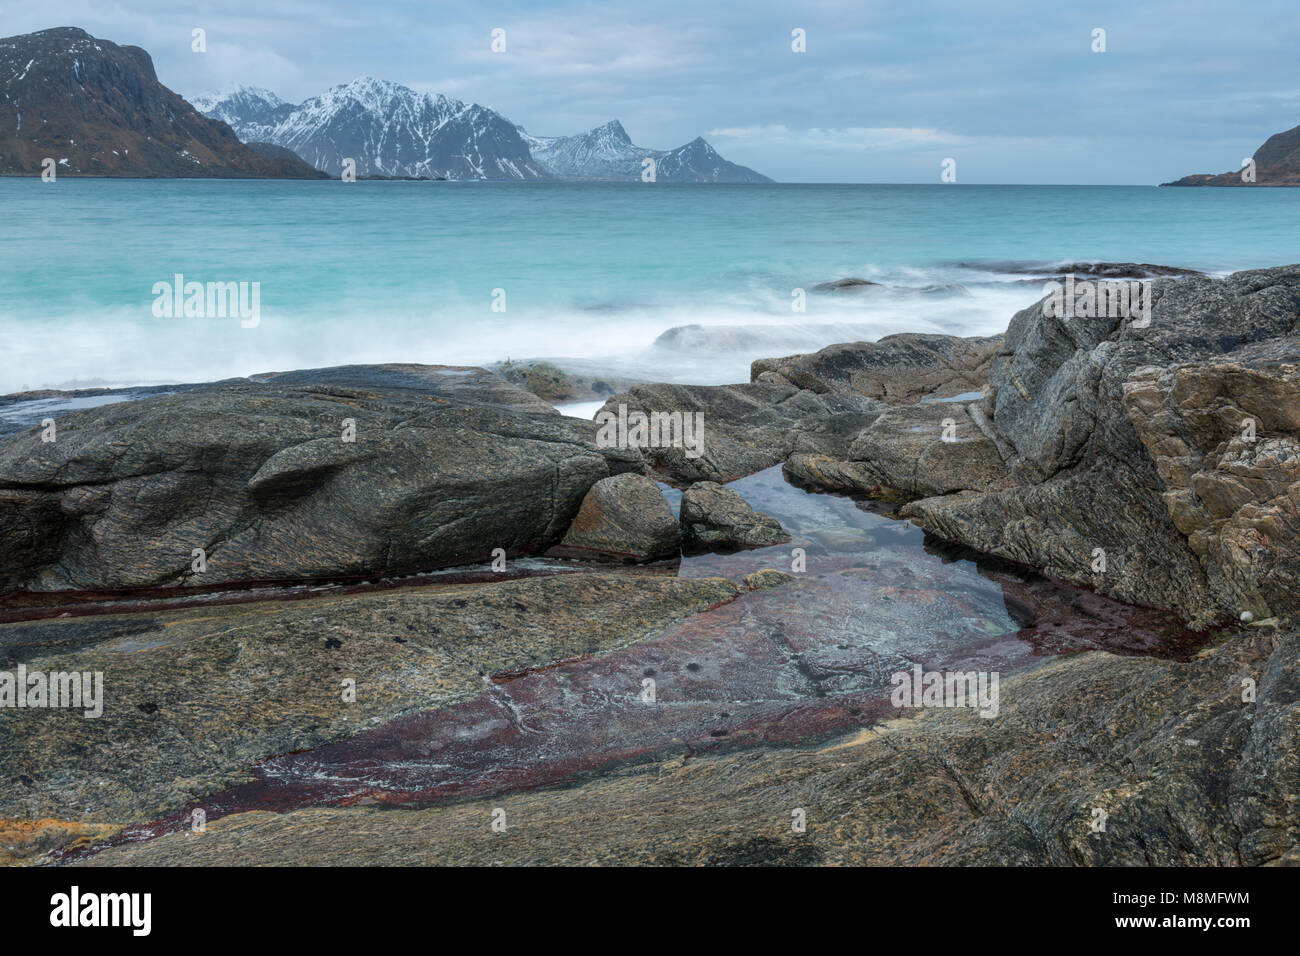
1151,471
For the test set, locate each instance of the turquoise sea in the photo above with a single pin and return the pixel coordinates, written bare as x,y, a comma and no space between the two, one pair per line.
408,271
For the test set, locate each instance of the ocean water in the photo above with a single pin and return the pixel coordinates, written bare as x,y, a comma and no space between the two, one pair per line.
409,272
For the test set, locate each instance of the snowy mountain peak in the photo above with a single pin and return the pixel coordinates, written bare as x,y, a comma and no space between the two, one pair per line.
699,162
250,110
606,152
236,101
699,148
371,94
236,94
614,132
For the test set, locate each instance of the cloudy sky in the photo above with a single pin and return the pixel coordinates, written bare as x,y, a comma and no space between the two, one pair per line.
885,91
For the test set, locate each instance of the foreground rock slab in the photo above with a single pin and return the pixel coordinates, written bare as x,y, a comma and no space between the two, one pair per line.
194,699
1184,771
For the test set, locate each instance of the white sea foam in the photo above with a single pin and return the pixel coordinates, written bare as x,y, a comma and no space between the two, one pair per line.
119,347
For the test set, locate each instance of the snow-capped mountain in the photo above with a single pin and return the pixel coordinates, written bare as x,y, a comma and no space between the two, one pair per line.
387,128
250,110
698,162
607,153
391,130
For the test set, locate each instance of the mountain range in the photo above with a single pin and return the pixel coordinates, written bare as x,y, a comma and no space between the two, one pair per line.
388,129
1277,163
97,109
393,130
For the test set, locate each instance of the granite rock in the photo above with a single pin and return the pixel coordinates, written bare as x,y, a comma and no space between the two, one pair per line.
716,518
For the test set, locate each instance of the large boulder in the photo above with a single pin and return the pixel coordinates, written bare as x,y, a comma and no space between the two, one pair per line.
626,518
1123,472
898,369
341,472
717,518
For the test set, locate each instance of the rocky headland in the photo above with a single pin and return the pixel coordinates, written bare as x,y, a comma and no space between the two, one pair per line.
1276,163
93,108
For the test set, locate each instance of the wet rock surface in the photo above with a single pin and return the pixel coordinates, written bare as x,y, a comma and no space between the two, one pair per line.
1080,458
714,517
565,380
844,285
722,339
1090,270
531,683
919,450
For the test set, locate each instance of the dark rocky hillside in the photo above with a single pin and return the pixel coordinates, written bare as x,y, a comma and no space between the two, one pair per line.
97,109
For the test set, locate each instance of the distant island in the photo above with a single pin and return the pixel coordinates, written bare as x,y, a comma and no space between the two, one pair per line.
1277,163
